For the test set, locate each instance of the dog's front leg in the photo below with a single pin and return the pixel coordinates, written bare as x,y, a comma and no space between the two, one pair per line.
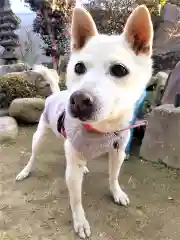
116,158
74,177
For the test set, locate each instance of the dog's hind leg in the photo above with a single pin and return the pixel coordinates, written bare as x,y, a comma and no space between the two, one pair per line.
116,159
36,143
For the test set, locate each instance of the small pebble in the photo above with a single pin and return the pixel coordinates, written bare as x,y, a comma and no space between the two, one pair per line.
170,198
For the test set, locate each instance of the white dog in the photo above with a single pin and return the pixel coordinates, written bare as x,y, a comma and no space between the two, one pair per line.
105,77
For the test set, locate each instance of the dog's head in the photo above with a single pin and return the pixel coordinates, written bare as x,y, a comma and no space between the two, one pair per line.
106,75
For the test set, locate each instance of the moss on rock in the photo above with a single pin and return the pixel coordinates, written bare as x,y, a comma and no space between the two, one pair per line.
13,87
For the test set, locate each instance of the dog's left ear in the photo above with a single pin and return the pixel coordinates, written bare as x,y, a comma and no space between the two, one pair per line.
139,31
83,27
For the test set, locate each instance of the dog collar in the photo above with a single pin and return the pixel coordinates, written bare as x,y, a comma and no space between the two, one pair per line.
136,124
88,127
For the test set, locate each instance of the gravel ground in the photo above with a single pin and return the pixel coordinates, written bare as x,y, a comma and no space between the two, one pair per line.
38,207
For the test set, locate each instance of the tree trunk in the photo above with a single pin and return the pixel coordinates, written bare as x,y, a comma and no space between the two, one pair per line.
53,42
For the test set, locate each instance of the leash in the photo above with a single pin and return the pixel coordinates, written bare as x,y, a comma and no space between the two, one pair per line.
138,123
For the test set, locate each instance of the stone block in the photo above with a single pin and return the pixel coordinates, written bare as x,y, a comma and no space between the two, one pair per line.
161,141
27,110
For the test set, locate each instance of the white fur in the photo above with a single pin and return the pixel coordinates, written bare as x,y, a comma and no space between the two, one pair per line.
50,76
117,98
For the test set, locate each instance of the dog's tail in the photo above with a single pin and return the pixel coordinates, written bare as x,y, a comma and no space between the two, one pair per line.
50,75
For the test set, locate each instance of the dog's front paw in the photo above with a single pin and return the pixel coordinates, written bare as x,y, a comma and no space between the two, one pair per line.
120,197
23,174
82,228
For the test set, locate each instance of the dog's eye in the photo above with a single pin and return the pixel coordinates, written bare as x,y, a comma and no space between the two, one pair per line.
80,68
118,70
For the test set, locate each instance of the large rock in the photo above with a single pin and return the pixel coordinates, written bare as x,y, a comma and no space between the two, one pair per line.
26,84
166,38
41,85
165,61
27,110
12,87
172,86
18,67
166,46
4,112
8,129
162,136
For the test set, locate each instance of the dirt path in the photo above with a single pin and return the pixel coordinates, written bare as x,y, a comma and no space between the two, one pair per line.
38,207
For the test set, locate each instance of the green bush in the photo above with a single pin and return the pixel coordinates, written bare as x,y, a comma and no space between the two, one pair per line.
13,87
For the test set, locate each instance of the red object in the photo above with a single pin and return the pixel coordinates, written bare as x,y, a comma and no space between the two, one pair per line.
90,128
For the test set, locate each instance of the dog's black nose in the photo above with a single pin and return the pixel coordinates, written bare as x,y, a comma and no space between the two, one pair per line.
81,105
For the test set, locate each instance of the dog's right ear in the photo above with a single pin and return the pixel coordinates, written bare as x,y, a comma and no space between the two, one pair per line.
139,31
83,27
